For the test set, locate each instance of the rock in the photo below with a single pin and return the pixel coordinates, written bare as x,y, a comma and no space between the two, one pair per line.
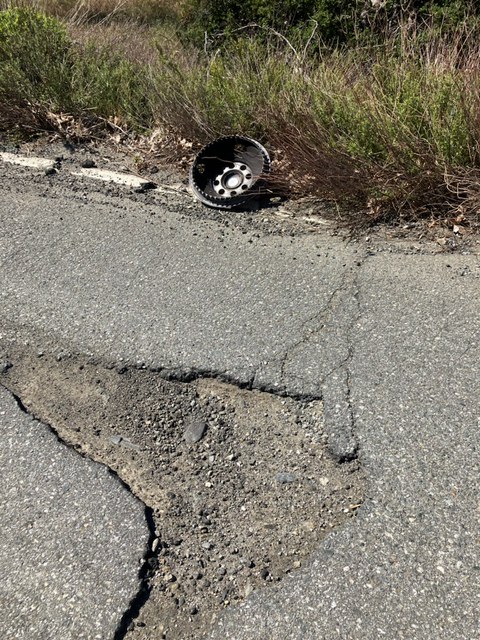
285,477
308,525
125,442
145,186
148,185
194,431
51,171
88,164
5,366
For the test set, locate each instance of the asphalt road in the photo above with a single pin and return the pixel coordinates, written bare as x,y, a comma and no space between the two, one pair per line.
72,537
389,339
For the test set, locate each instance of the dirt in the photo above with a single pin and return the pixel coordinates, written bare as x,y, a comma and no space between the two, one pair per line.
239,484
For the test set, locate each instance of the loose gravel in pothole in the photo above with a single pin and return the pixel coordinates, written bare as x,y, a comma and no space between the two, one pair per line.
240,483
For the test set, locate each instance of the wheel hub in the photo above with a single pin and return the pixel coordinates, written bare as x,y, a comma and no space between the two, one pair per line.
234,180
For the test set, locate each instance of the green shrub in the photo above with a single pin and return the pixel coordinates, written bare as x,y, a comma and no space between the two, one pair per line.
42,72
289,17
105,84
336,21
34,55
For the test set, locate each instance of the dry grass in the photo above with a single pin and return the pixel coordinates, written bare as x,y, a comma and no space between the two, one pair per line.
103,11
392,128
129,39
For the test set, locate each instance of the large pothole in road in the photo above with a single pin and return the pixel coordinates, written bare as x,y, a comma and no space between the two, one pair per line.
240,483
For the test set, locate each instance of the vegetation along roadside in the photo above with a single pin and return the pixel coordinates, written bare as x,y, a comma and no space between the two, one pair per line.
371,104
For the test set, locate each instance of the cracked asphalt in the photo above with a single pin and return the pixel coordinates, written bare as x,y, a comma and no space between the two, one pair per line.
72,537
388,336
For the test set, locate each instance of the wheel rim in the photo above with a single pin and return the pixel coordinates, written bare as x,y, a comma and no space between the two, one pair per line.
229,171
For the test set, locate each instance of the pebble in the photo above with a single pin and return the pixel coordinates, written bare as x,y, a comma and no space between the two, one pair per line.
5,366
285,477
88,164
145,186
308,525
194,431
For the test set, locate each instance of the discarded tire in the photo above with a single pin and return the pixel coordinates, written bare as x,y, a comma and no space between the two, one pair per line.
229,171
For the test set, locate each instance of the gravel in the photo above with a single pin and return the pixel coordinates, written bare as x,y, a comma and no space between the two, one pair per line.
230,476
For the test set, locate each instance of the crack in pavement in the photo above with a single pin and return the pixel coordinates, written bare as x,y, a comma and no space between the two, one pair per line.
331,384
408,567
142,594
72,534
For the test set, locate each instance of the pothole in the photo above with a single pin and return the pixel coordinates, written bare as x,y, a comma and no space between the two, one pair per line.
240,483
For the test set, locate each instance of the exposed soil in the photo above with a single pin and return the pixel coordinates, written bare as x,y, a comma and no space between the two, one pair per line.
240,483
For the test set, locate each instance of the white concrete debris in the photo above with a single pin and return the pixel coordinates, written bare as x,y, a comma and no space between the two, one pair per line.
28,161
126,179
